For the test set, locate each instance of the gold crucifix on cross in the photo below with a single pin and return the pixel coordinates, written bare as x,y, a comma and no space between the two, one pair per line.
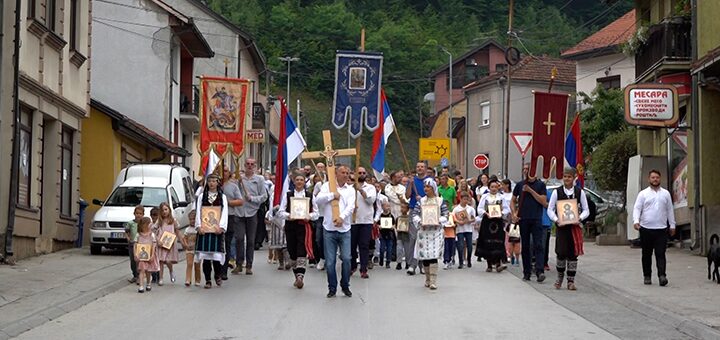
549,123
329,155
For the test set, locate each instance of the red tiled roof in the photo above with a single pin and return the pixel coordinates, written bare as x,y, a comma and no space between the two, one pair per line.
535,68
618,32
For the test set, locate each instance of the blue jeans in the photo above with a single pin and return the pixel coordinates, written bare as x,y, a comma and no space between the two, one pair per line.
465,247
449,251
386,250
332,241
532,228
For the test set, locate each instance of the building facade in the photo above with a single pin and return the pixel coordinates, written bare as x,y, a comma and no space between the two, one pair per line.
53,98
666,57
600,60
236,56
486,110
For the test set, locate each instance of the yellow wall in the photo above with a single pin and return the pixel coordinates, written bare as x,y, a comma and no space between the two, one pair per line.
440,131
708,26
101,159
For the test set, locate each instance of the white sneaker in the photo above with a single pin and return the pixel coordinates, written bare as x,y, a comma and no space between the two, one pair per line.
411,271
320,265
446,266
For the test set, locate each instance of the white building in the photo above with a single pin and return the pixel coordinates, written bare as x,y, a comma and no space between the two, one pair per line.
599,57
144,54
236,56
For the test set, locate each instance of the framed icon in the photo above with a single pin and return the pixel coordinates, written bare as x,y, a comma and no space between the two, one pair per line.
386,222
403,224
210,219
358,78
143,252
299,208
430,214
462,216
167,240
494,211
567,212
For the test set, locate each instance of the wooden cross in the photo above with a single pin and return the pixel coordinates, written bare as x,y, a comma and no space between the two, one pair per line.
549,123
329,155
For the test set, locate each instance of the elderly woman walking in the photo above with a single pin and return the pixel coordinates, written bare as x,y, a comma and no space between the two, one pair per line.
431,214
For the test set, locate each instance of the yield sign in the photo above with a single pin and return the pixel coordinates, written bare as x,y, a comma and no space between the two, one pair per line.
522,140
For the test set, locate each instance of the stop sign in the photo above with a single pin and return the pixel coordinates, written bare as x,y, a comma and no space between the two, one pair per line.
481,161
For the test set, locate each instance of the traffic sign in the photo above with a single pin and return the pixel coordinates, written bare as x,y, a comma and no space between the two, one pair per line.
522,140
433,149
481,161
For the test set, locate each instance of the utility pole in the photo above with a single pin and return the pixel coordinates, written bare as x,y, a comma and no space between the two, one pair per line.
450,103
506,169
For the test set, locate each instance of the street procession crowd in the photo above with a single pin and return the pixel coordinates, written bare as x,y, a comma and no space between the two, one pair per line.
421,221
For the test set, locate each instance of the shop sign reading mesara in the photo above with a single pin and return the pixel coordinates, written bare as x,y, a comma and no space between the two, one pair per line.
651,105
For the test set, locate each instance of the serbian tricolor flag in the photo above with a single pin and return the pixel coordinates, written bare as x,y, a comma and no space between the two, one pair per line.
290,145
381,137
210,162
573,150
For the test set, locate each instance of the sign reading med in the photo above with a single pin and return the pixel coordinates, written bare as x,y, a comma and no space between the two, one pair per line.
651,105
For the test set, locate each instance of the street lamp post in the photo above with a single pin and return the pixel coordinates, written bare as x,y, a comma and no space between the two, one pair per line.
289,60
450,102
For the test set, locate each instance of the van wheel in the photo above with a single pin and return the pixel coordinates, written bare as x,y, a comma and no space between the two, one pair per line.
95,249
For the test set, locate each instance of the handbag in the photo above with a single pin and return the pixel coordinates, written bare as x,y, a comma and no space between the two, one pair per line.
514,231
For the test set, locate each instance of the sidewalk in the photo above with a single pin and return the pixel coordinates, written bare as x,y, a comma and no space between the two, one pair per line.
42,288
690,302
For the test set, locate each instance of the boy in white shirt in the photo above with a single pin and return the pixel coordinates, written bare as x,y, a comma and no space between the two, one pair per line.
464,216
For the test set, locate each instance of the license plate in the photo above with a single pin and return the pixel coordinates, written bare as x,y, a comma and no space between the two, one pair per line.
117,235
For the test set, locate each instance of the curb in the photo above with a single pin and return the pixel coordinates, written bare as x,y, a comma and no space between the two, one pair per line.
684,325
15,328
18,327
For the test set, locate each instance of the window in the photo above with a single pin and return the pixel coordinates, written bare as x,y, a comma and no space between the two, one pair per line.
24,177
66,175
612,82
74,24
50,14
484,114
31,9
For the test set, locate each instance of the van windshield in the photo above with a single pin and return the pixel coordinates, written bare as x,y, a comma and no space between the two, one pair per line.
132,196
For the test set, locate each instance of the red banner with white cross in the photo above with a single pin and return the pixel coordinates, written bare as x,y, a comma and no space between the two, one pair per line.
549,133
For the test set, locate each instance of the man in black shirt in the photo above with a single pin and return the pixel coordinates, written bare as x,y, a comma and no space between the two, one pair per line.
528,201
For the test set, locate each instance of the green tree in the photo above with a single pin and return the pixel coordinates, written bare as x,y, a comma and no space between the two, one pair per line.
609,164
605,116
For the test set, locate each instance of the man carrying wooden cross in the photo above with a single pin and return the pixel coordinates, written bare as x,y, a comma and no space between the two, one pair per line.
336,202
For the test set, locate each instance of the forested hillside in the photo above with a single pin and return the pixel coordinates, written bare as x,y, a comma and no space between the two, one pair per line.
408,33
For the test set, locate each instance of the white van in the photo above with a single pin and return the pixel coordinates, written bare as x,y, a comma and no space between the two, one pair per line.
146,184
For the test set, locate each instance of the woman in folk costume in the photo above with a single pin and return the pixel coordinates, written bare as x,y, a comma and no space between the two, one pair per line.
491,238
298,231
210,245
430,238
568,237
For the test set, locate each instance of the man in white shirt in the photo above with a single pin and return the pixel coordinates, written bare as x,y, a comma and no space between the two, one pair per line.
568,237
336,230
652,214
362,225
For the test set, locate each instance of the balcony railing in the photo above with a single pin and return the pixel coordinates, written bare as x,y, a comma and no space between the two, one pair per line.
189,99
667,41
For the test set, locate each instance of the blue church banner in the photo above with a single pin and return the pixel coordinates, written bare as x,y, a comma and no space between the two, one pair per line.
358,79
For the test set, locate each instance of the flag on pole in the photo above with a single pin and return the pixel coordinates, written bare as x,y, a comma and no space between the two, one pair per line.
210,162
573,150
381,137
290,146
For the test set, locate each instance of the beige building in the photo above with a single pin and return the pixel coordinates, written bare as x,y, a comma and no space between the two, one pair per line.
53,96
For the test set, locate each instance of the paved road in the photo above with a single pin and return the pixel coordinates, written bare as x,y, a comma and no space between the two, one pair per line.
470,304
